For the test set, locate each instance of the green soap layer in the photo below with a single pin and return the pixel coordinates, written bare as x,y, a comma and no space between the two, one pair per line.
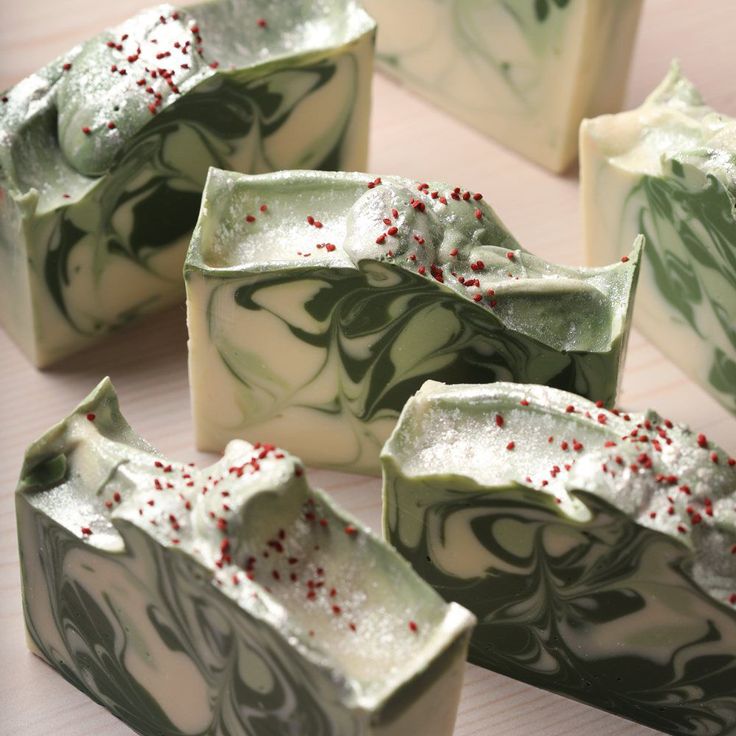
104,152
318,304
668,170
266,606
597,549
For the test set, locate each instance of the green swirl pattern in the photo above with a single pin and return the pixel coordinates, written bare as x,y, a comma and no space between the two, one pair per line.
379,332
689,221
569,607
246,680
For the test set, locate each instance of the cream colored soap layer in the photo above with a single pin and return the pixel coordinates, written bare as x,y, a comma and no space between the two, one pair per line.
525,73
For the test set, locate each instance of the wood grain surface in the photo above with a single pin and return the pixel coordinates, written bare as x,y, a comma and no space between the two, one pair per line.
148,362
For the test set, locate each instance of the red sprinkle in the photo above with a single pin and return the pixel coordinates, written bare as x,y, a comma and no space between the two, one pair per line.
261,22
413,627
250,218
499,420
86,531
511,445
91,417
624,259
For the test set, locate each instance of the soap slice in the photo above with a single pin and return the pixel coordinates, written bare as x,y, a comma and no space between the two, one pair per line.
524,72
229,600
104,152
596,548
668,170
318,303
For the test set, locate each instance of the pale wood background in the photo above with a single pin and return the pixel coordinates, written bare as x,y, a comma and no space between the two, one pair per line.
148,362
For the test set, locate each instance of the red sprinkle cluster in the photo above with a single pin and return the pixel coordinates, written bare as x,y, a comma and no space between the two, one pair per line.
393,229
153,80
283,559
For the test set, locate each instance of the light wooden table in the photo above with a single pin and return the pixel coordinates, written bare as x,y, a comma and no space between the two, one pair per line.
148,362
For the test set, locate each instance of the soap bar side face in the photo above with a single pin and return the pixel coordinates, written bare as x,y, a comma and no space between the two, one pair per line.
592,595
105,249
686,303
111,625
524,73
324,359
668,170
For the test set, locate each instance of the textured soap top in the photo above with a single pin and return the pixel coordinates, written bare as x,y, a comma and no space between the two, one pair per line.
664,476
72,119
446,234
280,551
673,124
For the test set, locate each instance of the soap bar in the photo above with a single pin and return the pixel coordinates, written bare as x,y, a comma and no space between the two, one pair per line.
228,600
104,152
597,548
318,303
668,170
524,72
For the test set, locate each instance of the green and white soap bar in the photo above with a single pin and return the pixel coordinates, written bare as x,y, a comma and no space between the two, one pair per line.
229,600
318,303
597,548
668,170
525,72
104,152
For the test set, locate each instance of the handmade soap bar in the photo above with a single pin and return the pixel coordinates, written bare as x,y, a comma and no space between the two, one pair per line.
104,153
319,303
668,170
525,72
228,600
597,548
